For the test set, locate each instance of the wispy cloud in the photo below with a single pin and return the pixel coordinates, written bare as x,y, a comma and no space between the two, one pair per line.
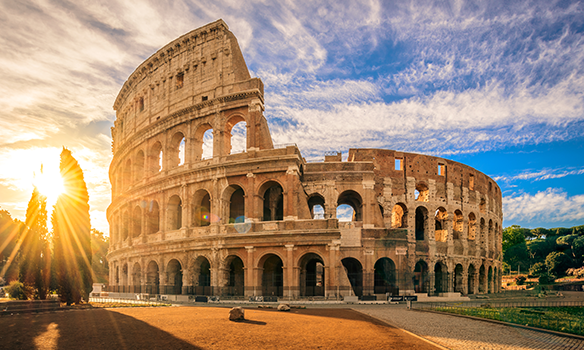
551,205
544,174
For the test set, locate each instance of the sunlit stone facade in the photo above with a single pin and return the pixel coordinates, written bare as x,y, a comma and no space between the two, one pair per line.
262,221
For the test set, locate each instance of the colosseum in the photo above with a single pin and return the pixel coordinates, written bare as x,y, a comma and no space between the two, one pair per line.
192,215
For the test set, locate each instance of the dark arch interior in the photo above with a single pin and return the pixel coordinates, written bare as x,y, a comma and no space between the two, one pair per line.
354,271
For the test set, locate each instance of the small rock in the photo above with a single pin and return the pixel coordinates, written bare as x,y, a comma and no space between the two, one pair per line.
236,314
283,307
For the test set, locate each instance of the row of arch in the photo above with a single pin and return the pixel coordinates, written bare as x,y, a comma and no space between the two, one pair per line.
197,279
446,225
180,150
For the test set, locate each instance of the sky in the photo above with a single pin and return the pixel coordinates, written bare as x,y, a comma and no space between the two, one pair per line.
497,85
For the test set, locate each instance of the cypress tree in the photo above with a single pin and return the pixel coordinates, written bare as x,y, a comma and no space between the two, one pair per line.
33,243
72,234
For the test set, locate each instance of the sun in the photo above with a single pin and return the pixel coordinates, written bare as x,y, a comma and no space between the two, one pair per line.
49,183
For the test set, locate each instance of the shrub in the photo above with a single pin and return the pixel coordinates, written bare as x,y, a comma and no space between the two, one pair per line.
16,290
558,263
520,280
538,269
546,278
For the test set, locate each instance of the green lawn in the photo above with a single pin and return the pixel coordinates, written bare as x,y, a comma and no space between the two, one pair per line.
562,319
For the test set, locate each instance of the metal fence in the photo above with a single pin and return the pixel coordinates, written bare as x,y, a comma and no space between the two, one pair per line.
529,313
148,302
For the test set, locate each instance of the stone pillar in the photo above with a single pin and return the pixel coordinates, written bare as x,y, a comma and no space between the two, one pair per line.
250,273
331,272
289,284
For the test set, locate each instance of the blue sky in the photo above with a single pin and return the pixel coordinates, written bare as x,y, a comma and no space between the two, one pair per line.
497,85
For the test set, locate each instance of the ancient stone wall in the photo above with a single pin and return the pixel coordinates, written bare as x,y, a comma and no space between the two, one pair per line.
262,221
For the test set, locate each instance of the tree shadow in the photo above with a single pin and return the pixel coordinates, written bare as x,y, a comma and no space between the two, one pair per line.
82,329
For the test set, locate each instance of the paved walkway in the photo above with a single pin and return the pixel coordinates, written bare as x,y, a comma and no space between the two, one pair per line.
459,333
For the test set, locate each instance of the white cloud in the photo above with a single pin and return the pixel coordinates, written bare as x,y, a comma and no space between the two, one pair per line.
544,174
551,205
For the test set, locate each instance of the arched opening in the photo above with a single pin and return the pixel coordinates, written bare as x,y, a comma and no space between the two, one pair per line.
202,276
421,277
203,146
127,174
490,280
117,276
155,158
152,278
125,283
139,166
354,271
235,196
491,236
137,222
273,198
272,276
174,213
202,208
472,226
126,225
440,278
471,279
235,277
399,216
316,206
458,279
176,151
458,225
421,216
353,200
153,217
136,279
385,277
236,130
207,147
483,206
482,280
482,229
311,275
441,230
175,277
421,193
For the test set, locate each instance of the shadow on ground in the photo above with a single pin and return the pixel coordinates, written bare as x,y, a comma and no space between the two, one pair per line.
78,329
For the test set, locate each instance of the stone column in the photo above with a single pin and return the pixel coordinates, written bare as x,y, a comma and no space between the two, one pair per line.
289,283
331,271
250,278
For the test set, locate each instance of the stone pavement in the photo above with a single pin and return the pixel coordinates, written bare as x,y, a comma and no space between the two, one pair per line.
459,333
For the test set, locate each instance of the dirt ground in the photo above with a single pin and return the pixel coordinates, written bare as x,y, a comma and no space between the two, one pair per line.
201,328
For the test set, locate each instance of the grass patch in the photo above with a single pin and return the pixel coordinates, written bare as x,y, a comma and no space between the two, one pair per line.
561,319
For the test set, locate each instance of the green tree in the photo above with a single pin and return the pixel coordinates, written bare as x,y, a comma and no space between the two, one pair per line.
71,234
514,235
558,263
99,247
539,249
33,248
578,249
538,269
514,247
10,231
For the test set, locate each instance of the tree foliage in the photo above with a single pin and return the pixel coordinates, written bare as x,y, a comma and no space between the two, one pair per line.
524,248
71,234
99,247
558,263
538,269
10,231
34,250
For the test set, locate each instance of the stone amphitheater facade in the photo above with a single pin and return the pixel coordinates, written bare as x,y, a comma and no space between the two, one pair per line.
263,221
